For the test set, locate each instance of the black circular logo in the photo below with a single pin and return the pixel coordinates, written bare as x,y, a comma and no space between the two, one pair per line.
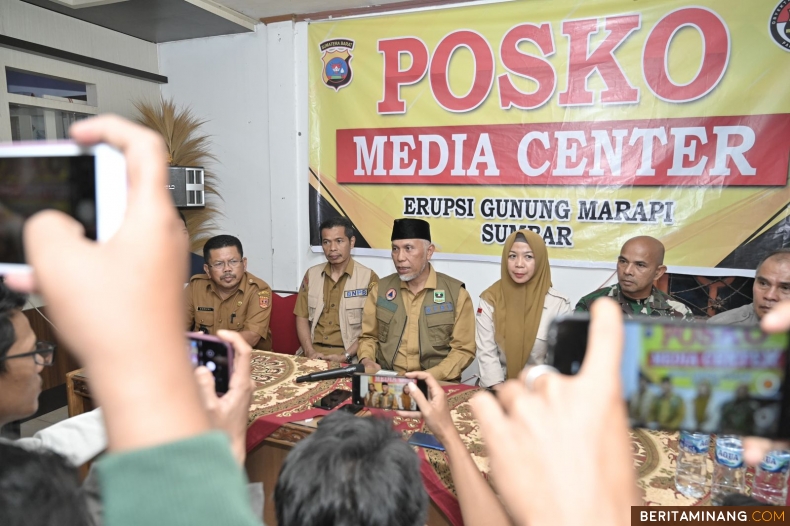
779,25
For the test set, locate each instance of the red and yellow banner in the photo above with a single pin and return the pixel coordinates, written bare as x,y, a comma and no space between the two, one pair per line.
587,122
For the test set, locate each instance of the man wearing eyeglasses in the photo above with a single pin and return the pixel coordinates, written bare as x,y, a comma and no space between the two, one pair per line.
22,359
20,383
227,296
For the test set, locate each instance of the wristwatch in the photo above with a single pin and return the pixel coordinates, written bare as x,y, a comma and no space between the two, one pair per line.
348,357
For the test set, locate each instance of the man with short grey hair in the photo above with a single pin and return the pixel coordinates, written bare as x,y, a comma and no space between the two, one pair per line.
423,319
771,286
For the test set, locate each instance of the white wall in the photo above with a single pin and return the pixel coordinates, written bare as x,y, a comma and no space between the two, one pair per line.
225,81
116,93
253,92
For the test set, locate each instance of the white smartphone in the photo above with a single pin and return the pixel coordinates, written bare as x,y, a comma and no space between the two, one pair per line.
87,183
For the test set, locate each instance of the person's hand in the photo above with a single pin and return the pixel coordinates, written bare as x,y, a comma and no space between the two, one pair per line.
336,358
312,354
435,411
754,448
67,265
370,366
119,304
229,413
565,438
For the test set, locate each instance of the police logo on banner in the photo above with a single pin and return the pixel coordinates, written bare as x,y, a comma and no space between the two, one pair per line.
337,62
779,24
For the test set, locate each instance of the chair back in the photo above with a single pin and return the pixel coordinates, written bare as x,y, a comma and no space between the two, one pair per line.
283,322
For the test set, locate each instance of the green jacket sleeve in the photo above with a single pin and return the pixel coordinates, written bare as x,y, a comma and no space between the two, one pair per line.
191,482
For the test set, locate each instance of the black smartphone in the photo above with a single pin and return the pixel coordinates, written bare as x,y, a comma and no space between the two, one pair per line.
215,354
425,440
728,379
385,392
333,399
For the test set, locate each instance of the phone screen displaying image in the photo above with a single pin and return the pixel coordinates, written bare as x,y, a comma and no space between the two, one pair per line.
693,376
724,379
386,392
31,184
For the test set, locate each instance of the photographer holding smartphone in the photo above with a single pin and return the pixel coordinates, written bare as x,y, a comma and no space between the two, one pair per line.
165,464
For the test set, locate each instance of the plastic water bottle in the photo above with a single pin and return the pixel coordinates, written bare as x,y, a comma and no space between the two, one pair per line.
691,474
729,473
770,478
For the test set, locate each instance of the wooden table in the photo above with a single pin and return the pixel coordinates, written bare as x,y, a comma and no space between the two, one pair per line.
78,394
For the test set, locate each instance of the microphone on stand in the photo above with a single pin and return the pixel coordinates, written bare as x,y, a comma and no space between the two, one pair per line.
331,374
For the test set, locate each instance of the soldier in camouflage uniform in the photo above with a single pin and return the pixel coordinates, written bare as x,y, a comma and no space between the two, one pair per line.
640,263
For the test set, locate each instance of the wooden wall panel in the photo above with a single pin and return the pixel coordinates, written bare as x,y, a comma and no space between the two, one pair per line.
54,375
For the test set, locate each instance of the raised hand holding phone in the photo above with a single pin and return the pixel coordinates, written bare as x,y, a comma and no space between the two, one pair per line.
86,182
433,408
479,505
708,378
230,411
214,354
113,330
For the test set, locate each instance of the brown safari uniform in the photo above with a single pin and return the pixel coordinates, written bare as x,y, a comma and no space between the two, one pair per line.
248,309
431,331
348,294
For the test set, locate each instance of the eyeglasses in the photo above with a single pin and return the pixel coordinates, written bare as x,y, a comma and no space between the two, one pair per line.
219,265
44,354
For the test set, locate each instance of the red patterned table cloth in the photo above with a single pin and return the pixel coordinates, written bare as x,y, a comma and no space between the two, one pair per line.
278,400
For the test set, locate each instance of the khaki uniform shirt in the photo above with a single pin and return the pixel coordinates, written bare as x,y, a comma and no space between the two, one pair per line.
492,359
407,359
248,309
327,329
744,315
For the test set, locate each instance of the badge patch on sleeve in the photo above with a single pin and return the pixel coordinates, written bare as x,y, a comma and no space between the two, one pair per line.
263,299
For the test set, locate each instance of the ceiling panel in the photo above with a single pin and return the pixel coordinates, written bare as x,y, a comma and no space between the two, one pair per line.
272,8
151,20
